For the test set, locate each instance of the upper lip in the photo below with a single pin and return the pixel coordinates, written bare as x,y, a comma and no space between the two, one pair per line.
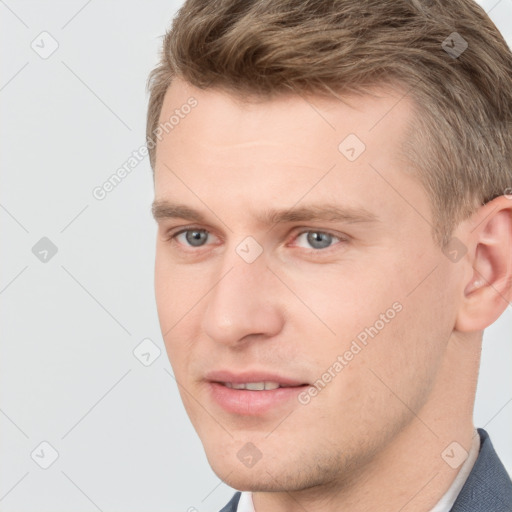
251,376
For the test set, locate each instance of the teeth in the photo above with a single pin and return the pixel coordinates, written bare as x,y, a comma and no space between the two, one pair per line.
253,386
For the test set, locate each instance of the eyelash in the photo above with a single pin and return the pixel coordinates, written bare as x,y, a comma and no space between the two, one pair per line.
171,237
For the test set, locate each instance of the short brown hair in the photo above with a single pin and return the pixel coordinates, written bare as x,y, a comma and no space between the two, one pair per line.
460,140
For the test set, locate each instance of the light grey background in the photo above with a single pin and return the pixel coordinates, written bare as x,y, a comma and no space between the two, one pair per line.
67,369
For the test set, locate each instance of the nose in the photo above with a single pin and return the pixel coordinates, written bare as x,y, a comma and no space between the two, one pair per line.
243,305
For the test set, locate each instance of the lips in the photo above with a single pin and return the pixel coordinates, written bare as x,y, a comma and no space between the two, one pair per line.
252,393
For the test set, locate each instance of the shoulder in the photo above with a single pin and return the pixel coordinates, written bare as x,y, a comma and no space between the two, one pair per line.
488,487
233,503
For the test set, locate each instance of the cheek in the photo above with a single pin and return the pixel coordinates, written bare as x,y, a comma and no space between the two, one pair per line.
403,358
176,293
372,317
340,301
177,289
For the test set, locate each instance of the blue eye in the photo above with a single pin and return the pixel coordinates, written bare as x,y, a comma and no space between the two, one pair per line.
317,239
193,237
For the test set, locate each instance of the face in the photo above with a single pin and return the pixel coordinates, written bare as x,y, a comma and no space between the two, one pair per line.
295,281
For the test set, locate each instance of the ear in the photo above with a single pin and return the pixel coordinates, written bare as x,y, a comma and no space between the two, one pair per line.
488,290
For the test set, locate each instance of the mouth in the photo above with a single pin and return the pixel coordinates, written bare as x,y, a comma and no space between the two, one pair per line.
256,386
253,394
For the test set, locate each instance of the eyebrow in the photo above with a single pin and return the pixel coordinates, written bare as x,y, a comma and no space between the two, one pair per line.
163,209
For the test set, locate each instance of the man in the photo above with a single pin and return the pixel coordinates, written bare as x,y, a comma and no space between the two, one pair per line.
333,197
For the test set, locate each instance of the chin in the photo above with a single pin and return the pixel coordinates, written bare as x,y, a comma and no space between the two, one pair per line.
235,474
251,480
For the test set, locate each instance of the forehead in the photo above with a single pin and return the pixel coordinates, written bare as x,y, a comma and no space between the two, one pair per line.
344,149
220,122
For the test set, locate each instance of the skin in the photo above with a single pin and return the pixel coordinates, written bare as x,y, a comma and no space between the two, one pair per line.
373,437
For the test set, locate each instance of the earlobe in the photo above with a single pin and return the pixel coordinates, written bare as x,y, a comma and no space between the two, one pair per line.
488,291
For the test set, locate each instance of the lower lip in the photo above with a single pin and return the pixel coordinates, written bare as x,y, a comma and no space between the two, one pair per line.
252,403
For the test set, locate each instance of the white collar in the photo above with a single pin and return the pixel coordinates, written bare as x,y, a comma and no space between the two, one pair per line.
445,504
